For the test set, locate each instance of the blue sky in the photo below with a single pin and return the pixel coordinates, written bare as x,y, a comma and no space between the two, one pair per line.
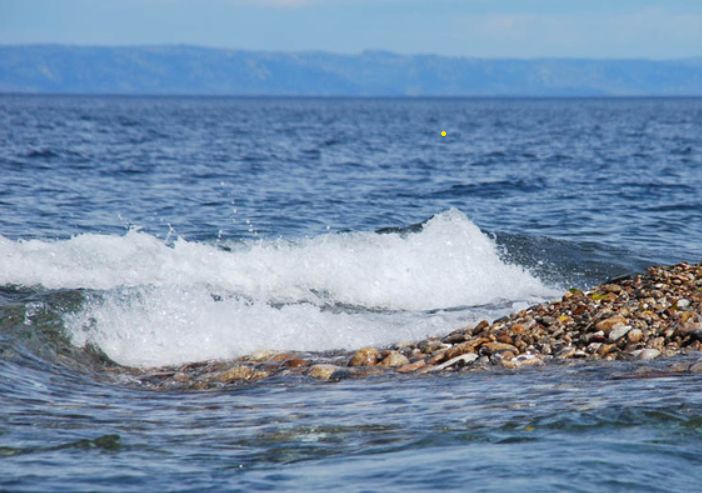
480,28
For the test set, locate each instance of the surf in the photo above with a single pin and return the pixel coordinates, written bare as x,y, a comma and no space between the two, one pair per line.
149,302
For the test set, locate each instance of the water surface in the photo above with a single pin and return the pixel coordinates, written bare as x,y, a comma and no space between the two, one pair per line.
151,231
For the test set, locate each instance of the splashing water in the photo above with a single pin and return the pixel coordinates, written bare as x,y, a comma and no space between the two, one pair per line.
155,304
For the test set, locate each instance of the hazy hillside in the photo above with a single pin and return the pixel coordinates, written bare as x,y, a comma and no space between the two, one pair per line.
194,70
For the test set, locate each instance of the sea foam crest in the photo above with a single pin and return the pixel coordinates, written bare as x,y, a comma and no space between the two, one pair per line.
165,304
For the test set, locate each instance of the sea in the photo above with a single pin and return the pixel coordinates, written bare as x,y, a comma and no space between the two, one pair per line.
153,231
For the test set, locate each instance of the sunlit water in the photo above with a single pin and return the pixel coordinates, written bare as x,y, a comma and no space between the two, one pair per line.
163,231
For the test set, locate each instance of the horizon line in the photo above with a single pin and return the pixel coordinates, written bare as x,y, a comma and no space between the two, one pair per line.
365,51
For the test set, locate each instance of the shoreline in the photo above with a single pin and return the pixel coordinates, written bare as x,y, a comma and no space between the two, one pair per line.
654,314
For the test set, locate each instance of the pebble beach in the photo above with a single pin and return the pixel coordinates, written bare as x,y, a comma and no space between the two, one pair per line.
655,314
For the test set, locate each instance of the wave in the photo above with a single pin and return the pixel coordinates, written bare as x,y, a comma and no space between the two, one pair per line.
152,303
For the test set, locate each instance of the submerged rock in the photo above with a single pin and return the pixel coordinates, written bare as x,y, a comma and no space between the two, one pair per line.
323,371
239,373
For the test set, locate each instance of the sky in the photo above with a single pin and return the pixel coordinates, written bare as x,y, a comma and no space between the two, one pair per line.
473,28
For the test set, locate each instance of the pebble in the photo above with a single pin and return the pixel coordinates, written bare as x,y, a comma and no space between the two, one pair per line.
522,360
459,361
465,347
566,352
367,356
609,323
296,363
618,331
322,371
394,359
635,336
412,367
646,354
261,355
239,373
181,377
496,347
605,349
683,303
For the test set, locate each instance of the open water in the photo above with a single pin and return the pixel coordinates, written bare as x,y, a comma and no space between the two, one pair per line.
159,231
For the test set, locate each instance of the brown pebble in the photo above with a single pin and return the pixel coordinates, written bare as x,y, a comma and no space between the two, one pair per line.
262,355
367,356
279,358
296,363
521,361
463,348
566,353
458,361
635,336
605,349
181,377
412,367
239,373
495,347
322,371
609,323
394,359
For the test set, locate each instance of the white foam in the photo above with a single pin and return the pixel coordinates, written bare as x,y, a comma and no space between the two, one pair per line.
156,305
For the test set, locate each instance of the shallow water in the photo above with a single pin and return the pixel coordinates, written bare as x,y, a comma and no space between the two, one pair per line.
158,231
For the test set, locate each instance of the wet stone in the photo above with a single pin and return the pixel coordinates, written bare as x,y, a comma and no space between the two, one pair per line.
367,356
465,347
262,355
495,347
646,354
523,360
458,361
323,371
566,352
454,338
181,377
241,373
296,363
432,345
412,367
394,359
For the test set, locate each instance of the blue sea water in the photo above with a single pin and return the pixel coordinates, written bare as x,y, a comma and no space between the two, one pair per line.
160,231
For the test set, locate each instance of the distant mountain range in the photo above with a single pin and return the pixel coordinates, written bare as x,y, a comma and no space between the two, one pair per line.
199,71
